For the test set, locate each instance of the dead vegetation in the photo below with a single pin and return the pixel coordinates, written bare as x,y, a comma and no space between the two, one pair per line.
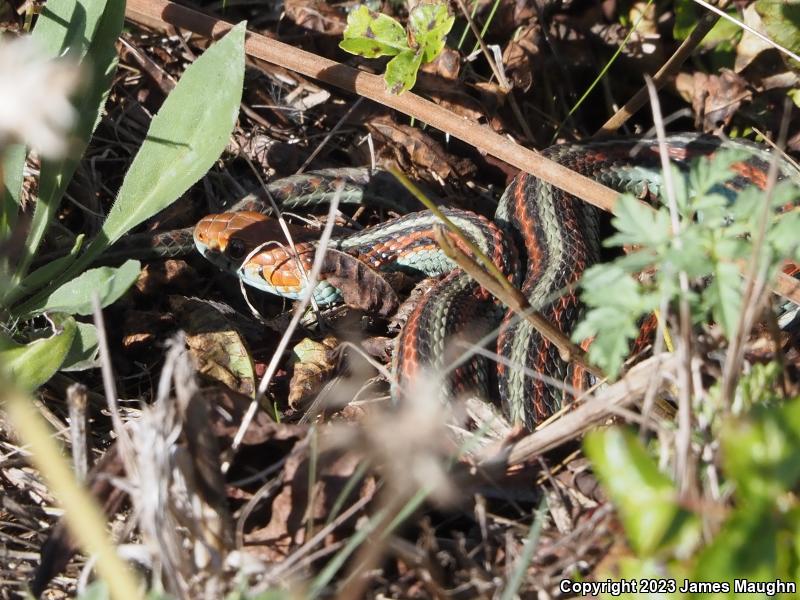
331,491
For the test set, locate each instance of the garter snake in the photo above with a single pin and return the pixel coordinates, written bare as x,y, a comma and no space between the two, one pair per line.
541,238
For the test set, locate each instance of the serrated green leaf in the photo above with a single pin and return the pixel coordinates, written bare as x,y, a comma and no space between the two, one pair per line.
75,296
638,224
83,352
372,34
646,499
613,330
30,365
401,72
429,25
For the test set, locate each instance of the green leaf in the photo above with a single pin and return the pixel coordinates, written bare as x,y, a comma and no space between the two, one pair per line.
185,138
31,365
428,26
11,165
50,271
645,498
781,19
83,353
92,32
638,224
612,330
760,452
723,297
401,72
75,296
750,545
372,34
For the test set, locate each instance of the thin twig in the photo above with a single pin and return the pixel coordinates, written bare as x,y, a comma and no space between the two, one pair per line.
157,13
683,437
749,29
299,309
517,302
662,76
600,406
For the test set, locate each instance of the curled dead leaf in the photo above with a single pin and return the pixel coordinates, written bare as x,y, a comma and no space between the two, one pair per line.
314,363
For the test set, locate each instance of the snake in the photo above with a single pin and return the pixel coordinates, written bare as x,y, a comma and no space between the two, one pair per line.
541,239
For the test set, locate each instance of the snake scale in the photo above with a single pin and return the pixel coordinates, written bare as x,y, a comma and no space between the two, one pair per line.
541,238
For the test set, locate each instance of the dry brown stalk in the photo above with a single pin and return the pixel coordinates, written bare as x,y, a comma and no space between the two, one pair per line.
576,422
157,13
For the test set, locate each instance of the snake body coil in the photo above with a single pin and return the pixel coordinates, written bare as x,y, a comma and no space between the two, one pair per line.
542,239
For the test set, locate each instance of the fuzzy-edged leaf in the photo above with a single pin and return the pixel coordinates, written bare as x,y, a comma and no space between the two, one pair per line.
185,138
75,296
760,452
753,545
83,353
638,224
401,72
428,25
96,41
30,365
646,499
723,297
372,34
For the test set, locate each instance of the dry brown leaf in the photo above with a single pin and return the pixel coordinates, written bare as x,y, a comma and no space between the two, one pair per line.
290,511
715,98
361,287
314,363
420,149
217,347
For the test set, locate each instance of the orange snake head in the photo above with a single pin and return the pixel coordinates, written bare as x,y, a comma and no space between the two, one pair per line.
226,239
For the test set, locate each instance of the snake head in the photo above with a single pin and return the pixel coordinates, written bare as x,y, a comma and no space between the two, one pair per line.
227,239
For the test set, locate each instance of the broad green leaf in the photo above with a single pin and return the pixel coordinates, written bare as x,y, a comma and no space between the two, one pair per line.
372,34
50,271
30,365
185,138
401,72
781,19
750,545
760,452
83,353
96,41
428,26
67,27
686,15
75,296
12,161
723,297
646,499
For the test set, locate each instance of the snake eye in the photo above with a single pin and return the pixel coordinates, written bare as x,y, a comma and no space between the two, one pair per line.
236,249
